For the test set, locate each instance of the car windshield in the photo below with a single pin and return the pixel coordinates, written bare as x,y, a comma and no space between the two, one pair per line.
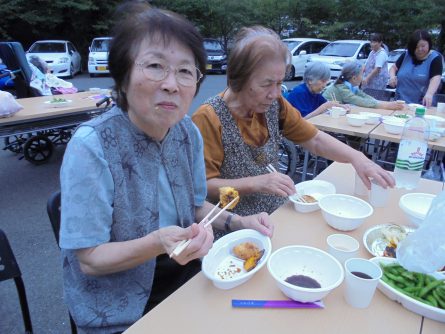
292,44
340,49
47,48
212,46
394,55
100,45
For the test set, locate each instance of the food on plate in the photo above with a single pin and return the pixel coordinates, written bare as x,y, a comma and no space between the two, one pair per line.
228,269
309,198
226,195
303,281
421,287
393,234
58,100
402,116
248,252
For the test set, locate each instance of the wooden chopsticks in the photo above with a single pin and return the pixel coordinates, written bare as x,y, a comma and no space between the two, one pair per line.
184,243
271,169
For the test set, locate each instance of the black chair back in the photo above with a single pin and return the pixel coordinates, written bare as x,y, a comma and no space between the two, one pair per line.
9,269
379,94
53,209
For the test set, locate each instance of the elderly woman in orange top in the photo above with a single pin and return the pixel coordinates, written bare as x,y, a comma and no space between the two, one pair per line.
242,128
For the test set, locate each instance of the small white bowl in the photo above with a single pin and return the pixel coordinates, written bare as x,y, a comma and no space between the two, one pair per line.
308,261
314,188
434,121
416,206
373,118
344,212
393,126
356,119
340,111
220,258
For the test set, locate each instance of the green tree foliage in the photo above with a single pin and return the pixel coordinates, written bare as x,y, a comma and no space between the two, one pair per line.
82,20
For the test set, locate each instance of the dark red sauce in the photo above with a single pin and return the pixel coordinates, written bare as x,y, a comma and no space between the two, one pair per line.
303,281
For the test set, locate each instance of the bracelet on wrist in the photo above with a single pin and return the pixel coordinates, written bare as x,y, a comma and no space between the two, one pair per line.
227,223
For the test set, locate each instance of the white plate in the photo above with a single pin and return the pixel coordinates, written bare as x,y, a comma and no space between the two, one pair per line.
58,104
406,301
374,240
220,266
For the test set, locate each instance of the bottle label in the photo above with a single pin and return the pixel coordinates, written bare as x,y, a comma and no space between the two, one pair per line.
411,155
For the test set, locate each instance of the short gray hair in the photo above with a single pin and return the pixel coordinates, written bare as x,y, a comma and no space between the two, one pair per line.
350,69
316,71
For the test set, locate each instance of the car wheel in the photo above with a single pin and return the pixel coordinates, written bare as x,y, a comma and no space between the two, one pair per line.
290,74
92,75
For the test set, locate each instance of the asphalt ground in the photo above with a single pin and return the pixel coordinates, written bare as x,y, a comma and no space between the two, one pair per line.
24,190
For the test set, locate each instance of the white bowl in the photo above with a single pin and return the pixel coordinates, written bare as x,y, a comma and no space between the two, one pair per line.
220,257
340,111
393,126
434,121
344,212
315,188
356,119
373,118
414,106
416,206
307,261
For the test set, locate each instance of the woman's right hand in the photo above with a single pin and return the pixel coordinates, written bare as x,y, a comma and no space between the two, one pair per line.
202,241
274,183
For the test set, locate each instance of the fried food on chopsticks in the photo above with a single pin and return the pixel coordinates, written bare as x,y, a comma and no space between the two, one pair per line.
226,195
248,252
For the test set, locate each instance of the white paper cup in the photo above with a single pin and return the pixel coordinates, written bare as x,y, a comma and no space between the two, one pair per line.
342,247
359,291
378,196
441,107
359,187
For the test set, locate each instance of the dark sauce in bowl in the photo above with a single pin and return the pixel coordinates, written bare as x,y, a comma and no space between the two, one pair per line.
361,275
303,281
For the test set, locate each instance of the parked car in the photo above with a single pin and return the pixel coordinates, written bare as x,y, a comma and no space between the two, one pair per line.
98,56
216,56
301,49
393,56
337,53
62,57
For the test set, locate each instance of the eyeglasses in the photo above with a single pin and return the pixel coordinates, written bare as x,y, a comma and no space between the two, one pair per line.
186,75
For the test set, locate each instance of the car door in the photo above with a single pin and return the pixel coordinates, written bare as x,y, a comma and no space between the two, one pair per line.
75,57
300,57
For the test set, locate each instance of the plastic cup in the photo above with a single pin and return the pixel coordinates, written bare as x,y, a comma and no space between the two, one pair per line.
359,187
342,247
360,290
441,107
378,196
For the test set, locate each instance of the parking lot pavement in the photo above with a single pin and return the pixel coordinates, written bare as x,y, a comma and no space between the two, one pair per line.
24,191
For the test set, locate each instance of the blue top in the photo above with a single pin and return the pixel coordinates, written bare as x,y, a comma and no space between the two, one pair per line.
304,100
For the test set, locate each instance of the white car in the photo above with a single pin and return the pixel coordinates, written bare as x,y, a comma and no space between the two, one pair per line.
98,56
61,56
393,55
337,53
301,49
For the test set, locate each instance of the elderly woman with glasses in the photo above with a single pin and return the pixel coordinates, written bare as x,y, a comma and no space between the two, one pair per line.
133,179
306,97
346,89
243,126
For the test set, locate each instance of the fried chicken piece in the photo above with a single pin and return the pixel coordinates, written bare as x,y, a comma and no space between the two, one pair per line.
226,195
252,261
245,250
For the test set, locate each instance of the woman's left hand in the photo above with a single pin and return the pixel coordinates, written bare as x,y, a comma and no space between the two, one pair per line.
259,222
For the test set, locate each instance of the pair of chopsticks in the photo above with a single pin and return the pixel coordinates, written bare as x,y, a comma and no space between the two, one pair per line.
333,98
271,169
184,243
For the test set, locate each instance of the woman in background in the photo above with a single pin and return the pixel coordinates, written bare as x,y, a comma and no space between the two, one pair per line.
376,74
417,73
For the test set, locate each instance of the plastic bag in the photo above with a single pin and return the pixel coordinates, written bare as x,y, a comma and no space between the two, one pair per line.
8,105
423,250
